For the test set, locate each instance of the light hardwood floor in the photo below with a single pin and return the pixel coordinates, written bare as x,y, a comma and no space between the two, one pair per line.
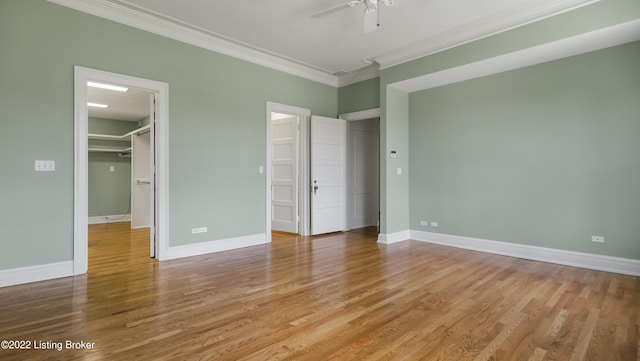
335,297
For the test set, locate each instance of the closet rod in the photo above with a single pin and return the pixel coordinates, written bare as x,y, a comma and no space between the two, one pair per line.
143,132
139,130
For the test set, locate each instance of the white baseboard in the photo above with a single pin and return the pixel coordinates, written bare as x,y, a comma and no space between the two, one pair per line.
393,237
569,258
16,276
110,219
197,249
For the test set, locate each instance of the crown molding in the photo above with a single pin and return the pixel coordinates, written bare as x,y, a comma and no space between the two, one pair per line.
359,75
169,29
574,45
361,115
476,30
479,29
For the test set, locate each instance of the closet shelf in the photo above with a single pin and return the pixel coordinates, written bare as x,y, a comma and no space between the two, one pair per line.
109,150
139,130
124,138
107,137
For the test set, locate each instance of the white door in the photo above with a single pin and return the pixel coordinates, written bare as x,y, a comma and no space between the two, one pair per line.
284,175
328,175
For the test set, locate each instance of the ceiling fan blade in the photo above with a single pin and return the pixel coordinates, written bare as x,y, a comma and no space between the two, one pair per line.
371,22
349,4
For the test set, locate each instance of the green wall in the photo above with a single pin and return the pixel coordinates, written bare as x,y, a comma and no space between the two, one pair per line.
110,126
547,155
588,18
394,187
217,135
359,96
216,130
596,16
109,192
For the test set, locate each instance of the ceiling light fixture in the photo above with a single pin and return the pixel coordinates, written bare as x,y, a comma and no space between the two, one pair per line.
107,86
97,105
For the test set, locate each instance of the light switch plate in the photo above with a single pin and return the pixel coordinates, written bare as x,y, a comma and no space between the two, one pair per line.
45,166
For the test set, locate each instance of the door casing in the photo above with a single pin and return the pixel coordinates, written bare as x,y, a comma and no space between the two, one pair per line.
304,115
80,189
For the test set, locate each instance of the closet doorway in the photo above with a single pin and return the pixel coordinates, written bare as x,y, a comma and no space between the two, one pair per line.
120,158
120,163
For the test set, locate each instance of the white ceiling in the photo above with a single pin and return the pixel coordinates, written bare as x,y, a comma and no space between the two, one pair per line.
336,42
132,105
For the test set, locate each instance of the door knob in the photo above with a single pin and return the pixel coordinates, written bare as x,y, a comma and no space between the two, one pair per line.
315,186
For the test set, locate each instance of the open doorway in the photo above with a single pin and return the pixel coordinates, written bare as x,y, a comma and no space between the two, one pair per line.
289,190
363,173
363,176
120,163
287,169
145,145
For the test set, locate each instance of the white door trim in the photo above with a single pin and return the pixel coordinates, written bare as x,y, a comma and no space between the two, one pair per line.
304,209
80,195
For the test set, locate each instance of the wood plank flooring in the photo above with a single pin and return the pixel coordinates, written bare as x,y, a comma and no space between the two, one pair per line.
335,297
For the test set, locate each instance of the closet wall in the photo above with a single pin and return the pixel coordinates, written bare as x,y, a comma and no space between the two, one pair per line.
109,172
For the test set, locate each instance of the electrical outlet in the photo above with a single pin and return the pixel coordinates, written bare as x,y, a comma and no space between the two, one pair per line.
423,223
198,230
434,224
597,239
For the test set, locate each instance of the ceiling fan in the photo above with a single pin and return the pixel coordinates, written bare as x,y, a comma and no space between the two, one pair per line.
371,12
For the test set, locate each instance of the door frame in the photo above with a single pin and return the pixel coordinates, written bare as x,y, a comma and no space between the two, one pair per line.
304,208
160,128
